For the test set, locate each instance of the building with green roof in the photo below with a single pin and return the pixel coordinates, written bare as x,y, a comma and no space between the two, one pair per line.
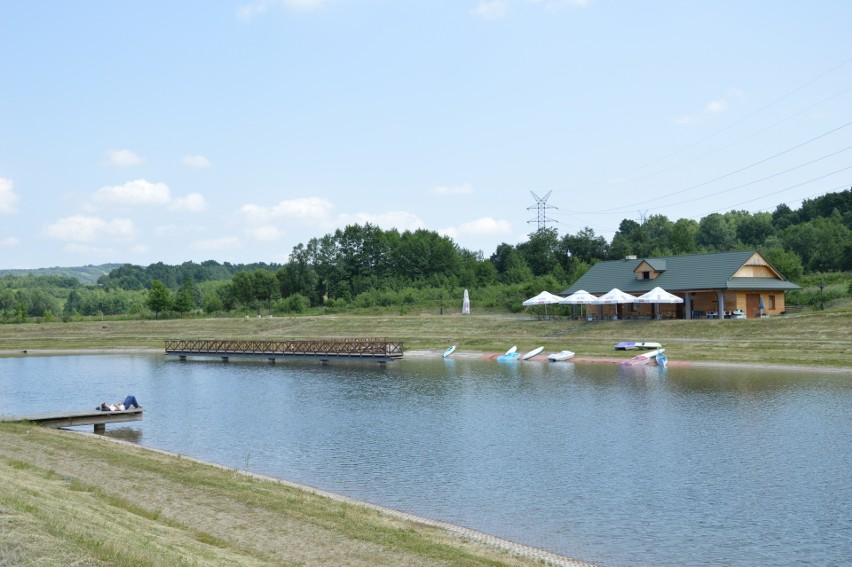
727,284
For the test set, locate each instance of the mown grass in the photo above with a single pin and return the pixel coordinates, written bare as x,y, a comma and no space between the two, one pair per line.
68,499
819,338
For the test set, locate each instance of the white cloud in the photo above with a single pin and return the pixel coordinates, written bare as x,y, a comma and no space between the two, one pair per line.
88,250
399,220
176,230
712,108
217,244
716,106
8,197
134,193
80,228
140,249
141,192
123,158
556,4
192,203
196,161
491,9
9,242
485,226
309,209
265,233
462,189
260,7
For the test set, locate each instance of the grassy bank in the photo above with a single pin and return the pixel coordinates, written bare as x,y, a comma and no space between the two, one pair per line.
72,499
815,338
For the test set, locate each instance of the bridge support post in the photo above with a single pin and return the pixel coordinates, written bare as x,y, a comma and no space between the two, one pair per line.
100,428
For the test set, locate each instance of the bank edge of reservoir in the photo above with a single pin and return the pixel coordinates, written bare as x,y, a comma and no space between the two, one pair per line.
534,553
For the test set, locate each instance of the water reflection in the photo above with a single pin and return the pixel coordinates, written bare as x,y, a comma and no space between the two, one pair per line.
130,434
612,464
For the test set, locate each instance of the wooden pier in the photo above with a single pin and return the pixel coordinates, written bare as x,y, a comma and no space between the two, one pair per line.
324,350
97,418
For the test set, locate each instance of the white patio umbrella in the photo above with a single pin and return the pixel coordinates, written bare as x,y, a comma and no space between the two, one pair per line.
580,297
544,298
658,295
614,296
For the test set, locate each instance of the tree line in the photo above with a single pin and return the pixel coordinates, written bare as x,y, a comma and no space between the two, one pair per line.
364,266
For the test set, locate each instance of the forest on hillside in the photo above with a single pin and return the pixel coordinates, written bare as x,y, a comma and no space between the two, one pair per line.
365,267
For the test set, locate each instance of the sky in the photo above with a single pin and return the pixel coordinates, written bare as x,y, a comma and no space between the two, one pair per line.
146,131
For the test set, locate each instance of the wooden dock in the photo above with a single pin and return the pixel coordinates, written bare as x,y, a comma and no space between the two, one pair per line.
69,419
324,350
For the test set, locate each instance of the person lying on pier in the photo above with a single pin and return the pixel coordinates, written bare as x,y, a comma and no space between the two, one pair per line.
129,402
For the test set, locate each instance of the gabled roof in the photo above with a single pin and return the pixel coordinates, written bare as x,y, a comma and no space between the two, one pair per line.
682,273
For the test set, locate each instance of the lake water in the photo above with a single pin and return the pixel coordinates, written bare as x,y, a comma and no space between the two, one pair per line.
619,466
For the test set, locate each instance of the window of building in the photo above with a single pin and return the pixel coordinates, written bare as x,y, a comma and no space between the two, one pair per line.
772,302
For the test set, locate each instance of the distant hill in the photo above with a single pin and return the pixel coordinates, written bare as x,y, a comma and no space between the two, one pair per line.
85,274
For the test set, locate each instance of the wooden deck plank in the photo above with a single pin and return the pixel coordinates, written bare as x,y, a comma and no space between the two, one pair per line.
69,419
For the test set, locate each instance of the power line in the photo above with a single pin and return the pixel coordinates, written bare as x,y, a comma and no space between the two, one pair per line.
740,170
785,189
724,128
744,138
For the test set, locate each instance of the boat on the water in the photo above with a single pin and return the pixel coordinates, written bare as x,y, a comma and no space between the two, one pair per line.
632,345
509,357
513,349
561,355
450,350
661,359
534,352
643,358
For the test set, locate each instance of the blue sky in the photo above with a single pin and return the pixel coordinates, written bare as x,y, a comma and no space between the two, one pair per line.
147,131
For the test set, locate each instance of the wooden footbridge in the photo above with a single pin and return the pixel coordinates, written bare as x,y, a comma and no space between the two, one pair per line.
97,418
374,350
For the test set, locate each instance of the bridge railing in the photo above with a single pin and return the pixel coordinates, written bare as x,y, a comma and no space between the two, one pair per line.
374,347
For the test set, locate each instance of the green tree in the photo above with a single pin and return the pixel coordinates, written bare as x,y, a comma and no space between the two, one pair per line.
541,251
626,240
585,246
753,230
788,264
716,234
264,287
683,236
185,301
159,298
659,230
